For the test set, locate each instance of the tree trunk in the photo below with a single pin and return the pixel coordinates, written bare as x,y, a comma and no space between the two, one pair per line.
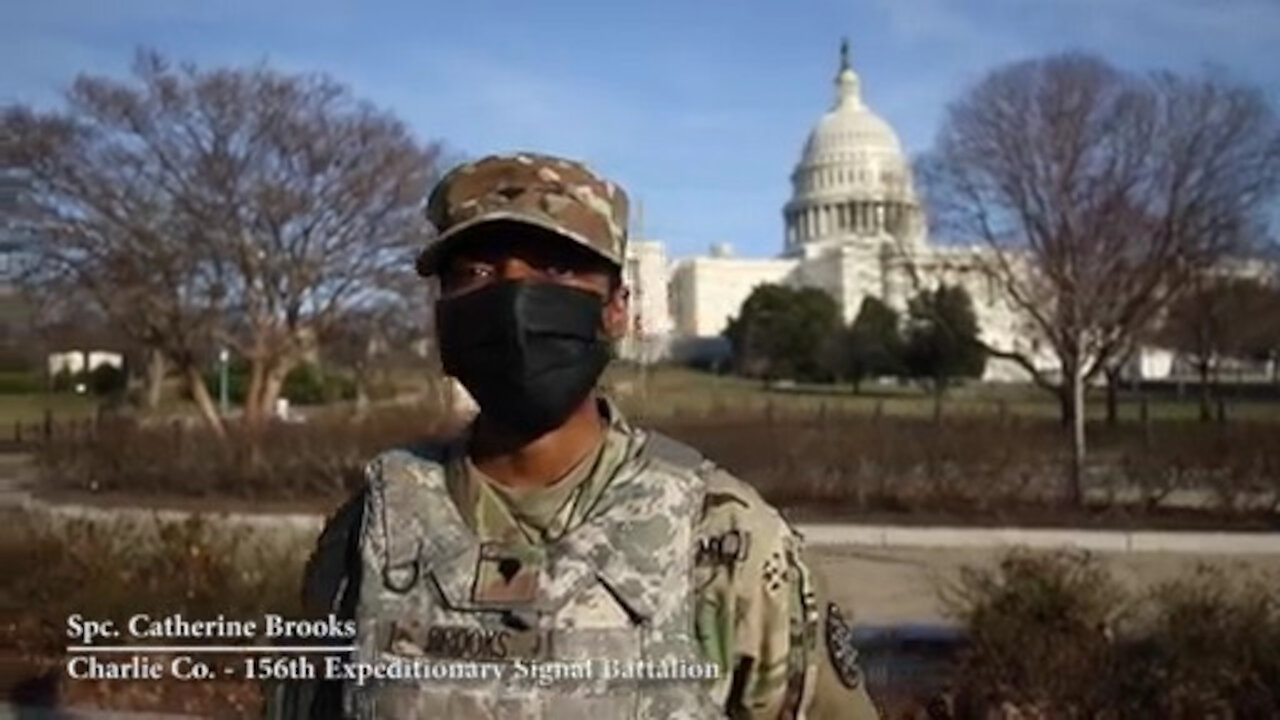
154,379
1206,391
266,379
204,401
1064,403
1075,411
1077,438
1113,403
271,388
253,410
1215,387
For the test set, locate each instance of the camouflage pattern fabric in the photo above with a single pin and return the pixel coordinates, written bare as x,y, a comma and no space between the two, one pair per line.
761,615
614,590
556,194
757,611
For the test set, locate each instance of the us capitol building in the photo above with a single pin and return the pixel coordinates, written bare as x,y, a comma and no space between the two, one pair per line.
853,227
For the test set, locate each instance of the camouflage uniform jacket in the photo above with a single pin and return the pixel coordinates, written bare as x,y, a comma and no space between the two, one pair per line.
753,602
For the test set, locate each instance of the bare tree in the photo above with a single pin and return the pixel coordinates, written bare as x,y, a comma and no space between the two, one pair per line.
1216,319
239,208
374,340
1097,195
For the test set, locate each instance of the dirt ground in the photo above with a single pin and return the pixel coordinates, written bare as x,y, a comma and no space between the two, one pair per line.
900,585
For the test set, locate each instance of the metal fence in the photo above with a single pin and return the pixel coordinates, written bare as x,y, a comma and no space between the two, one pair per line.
26,436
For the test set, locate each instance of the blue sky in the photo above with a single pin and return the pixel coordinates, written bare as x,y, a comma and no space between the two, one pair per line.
699,108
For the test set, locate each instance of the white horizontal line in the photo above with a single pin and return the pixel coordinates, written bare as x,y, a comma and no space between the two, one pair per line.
210,648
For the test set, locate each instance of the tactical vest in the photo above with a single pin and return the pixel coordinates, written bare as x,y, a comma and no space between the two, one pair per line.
605,631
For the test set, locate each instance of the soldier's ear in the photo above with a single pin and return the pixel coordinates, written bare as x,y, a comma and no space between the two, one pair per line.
615,313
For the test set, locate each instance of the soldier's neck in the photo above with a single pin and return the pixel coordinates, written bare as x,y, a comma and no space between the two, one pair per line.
542,461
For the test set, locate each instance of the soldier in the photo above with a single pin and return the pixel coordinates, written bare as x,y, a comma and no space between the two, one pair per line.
552,534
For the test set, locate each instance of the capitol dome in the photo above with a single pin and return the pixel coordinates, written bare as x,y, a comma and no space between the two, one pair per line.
853,179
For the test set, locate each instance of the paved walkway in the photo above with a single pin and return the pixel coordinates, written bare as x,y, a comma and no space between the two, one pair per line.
16,478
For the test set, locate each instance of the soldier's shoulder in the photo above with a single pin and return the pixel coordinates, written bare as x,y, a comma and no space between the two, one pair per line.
421,461
349,516
728,500
427,451
731,503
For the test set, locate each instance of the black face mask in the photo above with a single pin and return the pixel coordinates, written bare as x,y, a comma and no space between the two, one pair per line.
528,352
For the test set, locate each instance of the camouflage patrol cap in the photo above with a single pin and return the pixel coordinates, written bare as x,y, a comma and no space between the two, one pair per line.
552,193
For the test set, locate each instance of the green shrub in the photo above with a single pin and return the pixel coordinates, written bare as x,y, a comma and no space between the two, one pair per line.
308,385
107,380
237,381
304,385
65,381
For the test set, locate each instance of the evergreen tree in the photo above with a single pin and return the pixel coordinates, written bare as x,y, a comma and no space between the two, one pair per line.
873,343
784,332
942,338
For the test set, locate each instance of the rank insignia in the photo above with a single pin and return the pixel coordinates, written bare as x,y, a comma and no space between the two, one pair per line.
507,574
844,657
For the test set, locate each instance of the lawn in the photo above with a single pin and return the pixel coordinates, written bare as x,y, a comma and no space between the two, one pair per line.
666,391
30,409
672,391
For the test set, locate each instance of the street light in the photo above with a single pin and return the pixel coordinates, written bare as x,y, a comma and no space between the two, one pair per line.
223,357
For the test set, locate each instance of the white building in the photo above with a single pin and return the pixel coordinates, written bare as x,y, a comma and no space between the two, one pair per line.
74,362
853,227
646,274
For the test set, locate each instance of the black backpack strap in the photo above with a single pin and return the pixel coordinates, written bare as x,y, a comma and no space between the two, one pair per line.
330,584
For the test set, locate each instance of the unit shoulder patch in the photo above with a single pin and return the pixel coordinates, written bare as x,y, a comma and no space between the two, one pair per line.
844,657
